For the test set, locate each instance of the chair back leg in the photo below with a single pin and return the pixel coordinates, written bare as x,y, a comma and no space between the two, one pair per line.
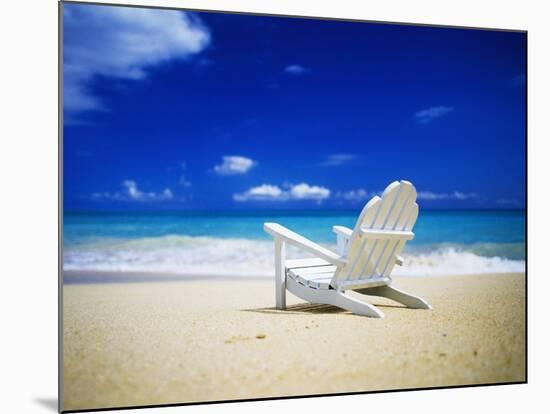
280,276
335,298
397,295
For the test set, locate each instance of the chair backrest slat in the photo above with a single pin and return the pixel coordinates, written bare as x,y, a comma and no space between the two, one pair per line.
396,246
371,248
380,247
369,258
357,243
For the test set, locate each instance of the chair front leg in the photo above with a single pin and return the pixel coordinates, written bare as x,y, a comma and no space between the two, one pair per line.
280,274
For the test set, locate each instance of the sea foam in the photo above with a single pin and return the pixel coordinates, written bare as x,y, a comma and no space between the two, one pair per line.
247,257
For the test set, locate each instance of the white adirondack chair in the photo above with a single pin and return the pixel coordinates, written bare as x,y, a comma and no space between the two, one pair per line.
366,256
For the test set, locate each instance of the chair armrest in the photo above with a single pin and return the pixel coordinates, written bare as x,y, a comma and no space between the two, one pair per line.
343,236
276,230
342,231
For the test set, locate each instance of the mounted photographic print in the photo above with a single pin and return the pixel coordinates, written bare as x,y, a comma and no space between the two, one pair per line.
259,206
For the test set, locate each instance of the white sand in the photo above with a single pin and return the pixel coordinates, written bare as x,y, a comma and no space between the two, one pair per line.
175,342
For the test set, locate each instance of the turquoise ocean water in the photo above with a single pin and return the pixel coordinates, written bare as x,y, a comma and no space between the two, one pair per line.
446,242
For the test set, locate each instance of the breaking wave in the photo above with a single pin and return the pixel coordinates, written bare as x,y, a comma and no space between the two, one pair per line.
188,255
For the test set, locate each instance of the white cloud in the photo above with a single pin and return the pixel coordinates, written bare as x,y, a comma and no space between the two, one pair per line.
296,69
353,195
262,192
335,160
131,192
122,42
268,192
428,195
456,195
428,115
234,164
463,196
304,191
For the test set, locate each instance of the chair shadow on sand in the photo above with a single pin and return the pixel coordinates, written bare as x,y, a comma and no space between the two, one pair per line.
312,308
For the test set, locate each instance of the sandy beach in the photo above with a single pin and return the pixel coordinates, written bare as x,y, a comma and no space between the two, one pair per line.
128,344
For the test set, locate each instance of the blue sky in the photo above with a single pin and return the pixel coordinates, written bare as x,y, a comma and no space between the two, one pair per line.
168,110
